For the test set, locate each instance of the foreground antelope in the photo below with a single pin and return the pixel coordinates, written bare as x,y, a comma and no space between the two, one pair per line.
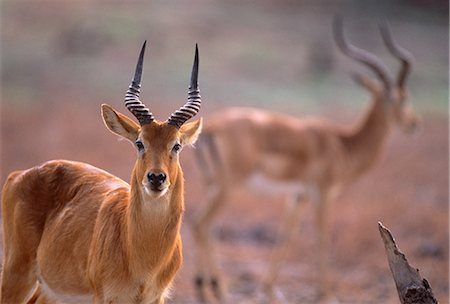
80,231
310,158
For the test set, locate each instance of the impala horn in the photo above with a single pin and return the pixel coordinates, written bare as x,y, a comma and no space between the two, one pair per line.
363,56
132,102
397,51
192,106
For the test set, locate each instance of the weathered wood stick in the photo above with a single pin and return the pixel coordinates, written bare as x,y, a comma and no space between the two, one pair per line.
411,287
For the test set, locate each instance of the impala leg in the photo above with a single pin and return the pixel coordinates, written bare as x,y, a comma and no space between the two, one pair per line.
207,269
19,269
322,246
18,280
290,219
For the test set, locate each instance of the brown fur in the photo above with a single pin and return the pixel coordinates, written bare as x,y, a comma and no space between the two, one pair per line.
82,231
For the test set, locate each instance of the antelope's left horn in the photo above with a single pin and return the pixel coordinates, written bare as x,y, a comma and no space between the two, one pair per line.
192,106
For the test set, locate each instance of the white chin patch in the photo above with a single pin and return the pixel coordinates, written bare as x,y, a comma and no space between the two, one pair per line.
155,194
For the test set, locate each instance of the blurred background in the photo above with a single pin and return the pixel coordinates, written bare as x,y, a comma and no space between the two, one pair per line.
61,59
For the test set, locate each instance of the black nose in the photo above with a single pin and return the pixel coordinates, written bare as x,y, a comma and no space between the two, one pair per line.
156,179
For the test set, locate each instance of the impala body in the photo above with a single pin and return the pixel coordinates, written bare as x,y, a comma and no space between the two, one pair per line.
312,159
290,154
73,232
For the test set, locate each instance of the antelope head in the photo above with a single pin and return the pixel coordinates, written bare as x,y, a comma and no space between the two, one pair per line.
158,143
392,92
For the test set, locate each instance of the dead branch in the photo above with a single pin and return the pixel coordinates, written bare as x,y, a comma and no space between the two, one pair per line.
411,287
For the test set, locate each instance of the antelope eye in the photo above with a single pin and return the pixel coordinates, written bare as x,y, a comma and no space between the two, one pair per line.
139,145
176,147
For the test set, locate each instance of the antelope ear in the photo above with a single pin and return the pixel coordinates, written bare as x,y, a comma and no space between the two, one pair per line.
119,124
190,132
370,84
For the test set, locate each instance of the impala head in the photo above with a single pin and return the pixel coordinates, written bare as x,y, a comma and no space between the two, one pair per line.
157,143
392,92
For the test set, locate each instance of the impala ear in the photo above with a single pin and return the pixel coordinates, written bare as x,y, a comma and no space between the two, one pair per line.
190,132
119,124
373,85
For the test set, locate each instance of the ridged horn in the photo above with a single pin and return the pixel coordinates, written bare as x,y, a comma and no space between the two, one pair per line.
360,55
132,102
397,51
192,106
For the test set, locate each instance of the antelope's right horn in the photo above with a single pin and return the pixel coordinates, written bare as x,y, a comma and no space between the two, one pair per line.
132,102
397,51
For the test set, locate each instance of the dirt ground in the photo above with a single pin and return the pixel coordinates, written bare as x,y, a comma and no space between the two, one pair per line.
407,191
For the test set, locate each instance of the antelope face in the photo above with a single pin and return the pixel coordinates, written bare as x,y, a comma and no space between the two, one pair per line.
158,146
157,143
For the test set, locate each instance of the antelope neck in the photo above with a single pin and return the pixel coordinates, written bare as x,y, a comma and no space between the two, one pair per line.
366,141
153,224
